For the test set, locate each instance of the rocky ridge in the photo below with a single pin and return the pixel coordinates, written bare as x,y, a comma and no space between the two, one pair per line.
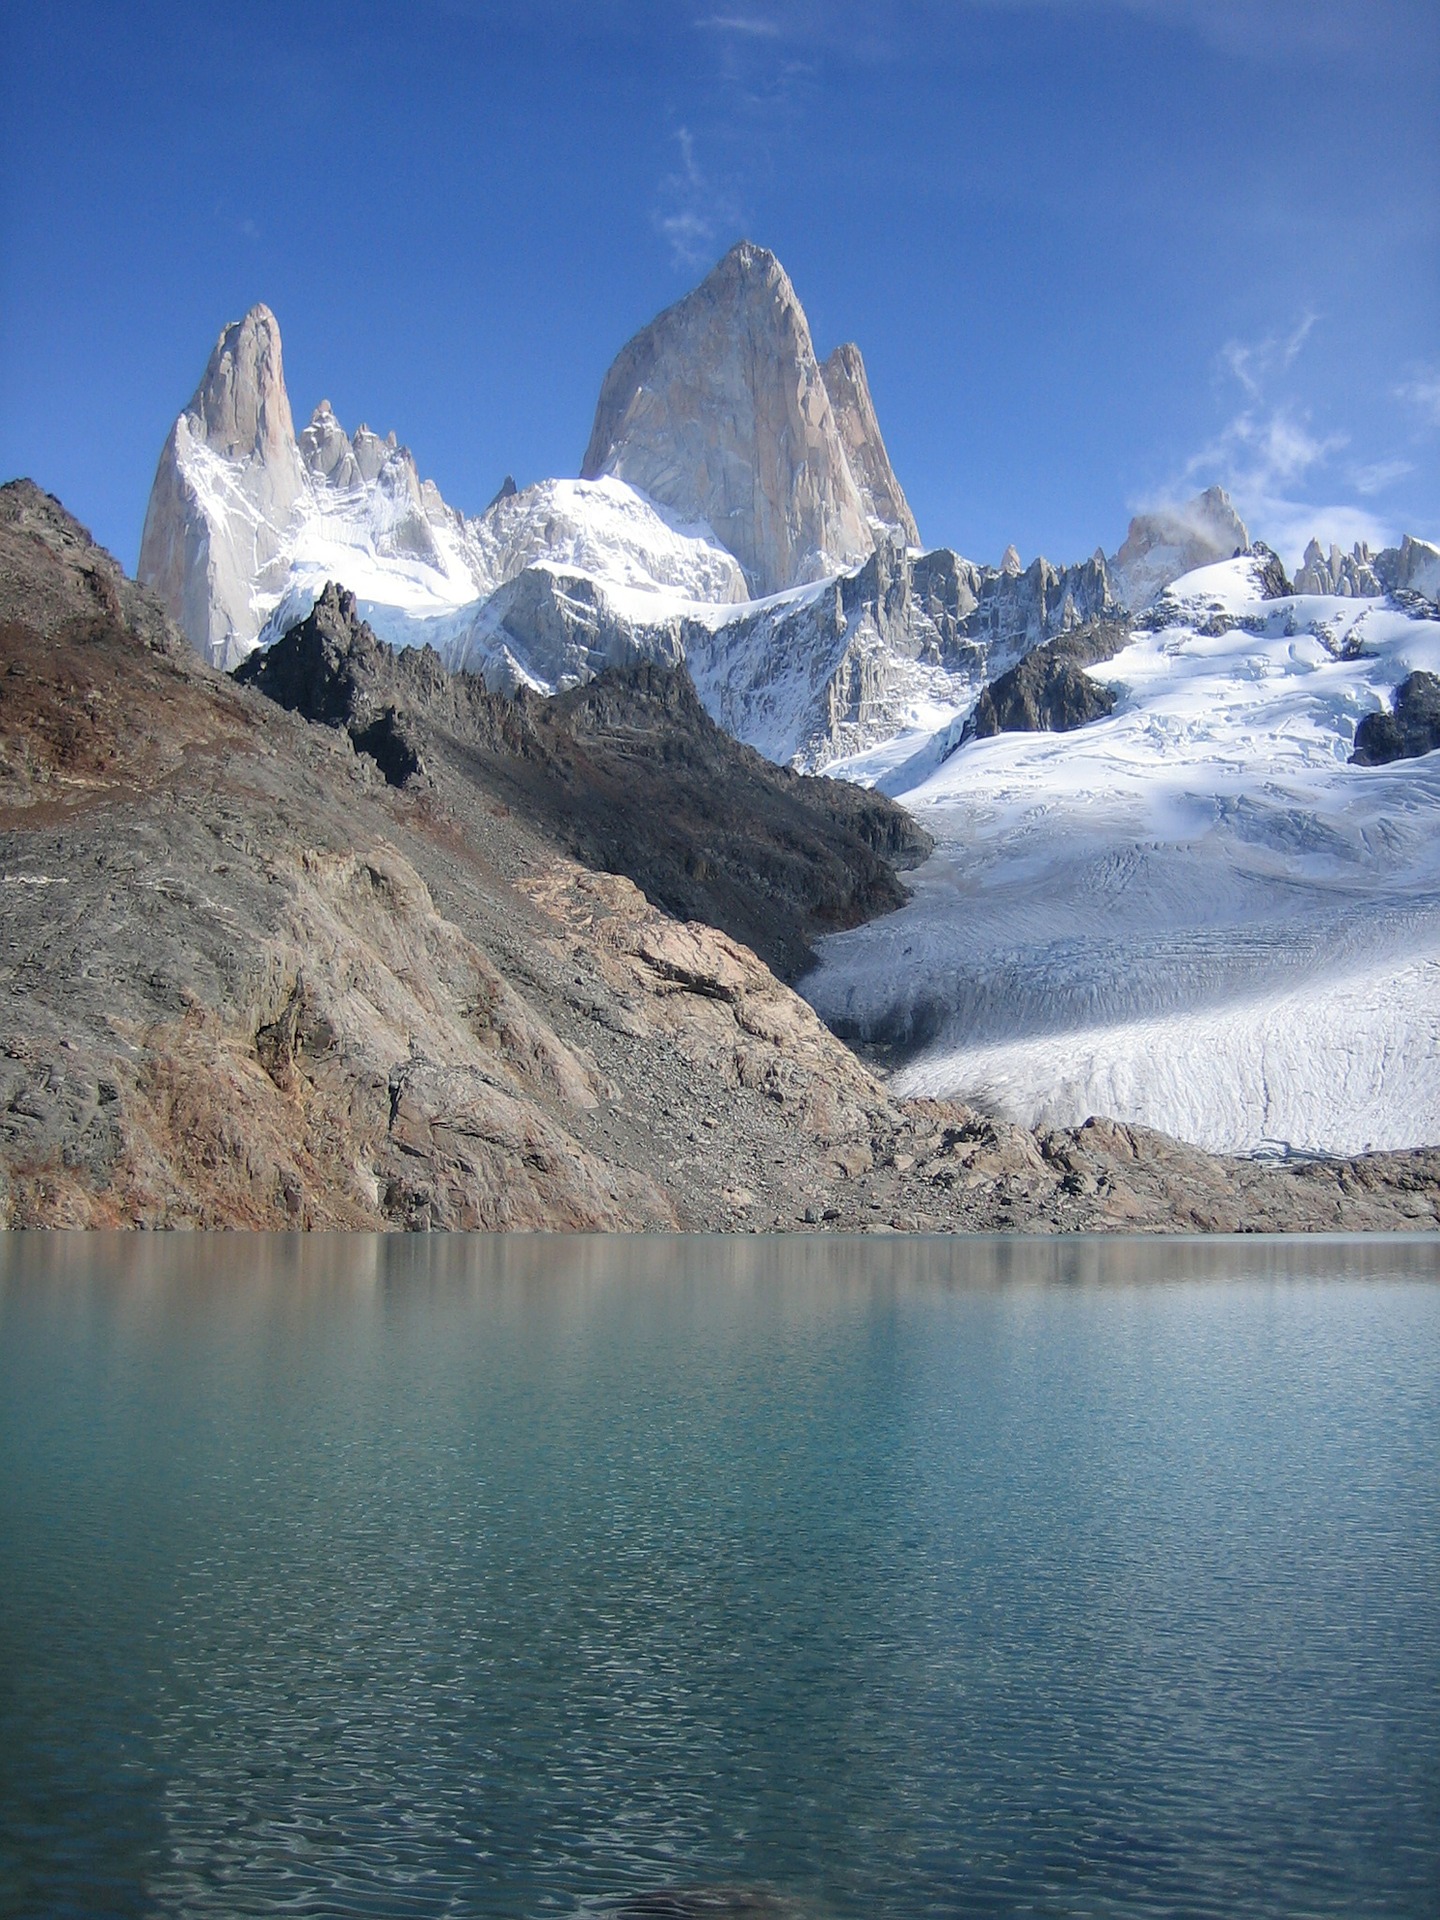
627,772
251,981
846,667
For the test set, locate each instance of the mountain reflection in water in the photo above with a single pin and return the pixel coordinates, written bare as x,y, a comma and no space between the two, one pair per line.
669,1579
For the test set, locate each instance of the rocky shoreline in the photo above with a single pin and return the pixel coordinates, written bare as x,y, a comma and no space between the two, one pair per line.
263,971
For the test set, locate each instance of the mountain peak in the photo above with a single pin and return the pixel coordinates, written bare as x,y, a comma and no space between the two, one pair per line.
207,576
1172,540
746,260
240,406
718,411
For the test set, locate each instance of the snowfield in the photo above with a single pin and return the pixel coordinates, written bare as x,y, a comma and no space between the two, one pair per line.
1194,913
426,577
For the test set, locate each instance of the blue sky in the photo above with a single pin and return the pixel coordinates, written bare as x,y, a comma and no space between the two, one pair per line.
1097,253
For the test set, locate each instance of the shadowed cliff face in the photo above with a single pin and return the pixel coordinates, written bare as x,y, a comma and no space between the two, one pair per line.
248,981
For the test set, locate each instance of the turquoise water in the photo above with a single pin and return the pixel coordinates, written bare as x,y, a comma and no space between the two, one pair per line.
534,1577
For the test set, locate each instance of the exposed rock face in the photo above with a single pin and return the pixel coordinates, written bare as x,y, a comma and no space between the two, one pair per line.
228,477
1412,567
1349,574
1163,545
1049,691
811,681
849,391
719,412
1412,729
249,983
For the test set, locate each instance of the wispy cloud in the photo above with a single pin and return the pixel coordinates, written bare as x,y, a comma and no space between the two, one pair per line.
1380,476
1252,363
1278,467
883,31
1423,394
695,213
757,27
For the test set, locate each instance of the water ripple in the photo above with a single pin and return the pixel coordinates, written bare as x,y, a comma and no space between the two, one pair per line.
662,1581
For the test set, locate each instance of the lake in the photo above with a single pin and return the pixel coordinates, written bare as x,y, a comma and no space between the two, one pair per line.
791,1576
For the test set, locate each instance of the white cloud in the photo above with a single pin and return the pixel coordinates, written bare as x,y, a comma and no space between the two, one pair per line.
1261,454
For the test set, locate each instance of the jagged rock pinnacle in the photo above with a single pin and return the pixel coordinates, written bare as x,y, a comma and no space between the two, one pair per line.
240,414
1163,545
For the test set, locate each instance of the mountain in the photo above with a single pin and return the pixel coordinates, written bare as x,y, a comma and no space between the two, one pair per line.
558,581
725,461
246,524
269,971
1172,541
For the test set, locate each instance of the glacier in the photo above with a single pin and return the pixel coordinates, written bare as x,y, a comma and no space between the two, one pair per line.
1195,913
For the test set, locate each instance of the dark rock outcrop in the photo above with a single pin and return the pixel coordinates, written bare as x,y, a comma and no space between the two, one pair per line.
1049,691
1271,577
1412,728
330,668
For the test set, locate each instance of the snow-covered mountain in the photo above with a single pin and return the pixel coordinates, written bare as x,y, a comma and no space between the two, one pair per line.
1194,913
246,524
717,414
